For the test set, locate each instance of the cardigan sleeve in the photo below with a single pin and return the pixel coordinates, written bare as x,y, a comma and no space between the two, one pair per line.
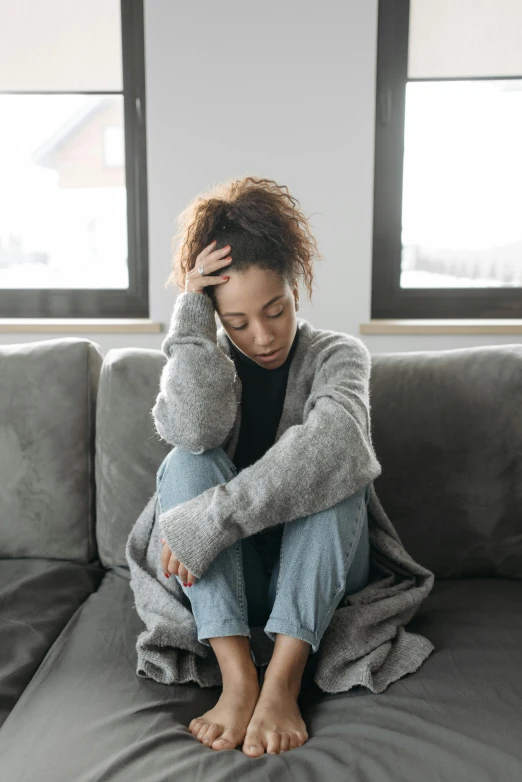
196,406
313,465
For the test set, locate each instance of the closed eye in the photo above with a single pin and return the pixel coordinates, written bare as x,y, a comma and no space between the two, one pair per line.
240,328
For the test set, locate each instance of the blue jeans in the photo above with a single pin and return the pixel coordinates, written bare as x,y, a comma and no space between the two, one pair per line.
322,558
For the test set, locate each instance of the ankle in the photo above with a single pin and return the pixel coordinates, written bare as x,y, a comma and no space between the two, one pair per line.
244,678
234,659
285,684
240,670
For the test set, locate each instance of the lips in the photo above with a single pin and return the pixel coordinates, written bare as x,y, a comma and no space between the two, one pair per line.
268,354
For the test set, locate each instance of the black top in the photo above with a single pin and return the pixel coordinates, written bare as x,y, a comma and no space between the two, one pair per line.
262,399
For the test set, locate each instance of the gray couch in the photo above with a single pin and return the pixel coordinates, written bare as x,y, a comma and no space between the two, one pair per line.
78,459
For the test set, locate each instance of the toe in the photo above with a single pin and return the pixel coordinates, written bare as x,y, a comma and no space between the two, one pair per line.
195,726
225,741
273,741
301,738
222,744
285,742
253,747
202,731
212,733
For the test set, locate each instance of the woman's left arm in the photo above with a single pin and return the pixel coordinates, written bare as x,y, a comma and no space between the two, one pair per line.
313,465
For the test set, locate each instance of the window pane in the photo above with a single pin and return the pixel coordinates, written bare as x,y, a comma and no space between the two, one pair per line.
60,45
465,38
462,189
63,198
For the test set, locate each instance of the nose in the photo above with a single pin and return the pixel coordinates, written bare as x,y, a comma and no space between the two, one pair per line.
263,341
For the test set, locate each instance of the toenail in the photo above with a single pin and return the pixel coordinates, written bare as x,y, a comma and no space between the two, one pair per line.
252,749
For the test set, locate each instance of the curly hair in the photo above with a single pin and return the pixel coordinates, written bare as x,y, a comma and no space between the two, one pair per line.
261,222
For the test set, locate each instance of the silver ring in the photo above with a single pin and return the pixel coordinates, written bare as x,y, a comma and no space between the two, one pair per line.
201,270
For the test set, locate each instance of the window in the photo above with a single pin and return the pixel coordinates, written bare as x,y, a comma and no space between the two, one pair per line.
73,199
448,160
113,146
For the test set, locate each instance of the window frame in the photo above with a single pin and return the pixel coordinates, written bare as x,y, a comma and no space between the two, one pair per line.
388,299
132,302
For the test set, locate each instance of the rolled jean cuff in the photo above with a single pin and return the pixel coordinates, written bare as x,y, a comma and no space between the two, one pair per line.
222,628
275,625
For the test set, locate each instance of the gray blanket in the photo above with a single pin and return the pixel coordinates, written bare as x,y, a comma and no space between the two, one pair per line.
365,643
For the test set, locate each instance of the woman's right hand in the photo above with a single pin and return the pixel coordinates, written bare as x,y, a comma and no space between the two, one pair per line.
211,260
173,567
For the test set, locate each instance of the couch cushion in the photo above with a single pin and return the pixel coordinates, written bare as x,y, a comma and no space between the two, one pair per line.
37,599
129,451
47,403
447,430
458,717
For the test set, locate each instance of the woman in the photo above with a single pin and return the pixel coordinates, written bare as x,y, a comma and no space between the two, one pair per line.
262,504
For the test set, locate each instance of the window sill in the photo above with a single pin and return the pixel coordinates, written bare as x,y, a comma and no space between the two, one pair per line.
80,325
443,326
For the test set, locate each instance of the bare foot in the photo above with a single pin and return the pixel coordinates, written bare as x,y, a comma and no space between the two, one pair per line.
276,723
224,726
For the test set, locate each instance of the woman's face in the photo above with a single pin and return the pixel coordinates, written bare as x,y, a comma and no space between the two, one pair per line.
253,322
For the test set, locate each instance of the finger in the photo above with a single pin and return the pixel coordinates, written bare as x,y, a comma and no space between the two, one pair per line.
183,573
207,252
173,565
210,268
191,577
213,260
209,248
220,253
217,252
164,557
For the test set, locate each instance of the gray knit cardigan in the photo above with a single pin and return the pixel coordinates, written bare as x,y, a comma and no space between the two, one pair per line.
323,453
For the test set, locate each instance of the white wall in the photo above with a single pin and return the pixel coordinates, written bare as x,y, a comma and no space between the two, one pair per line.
283,89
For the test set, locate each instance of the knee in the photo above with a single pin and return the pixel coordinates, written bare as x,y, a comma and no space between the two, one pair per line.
186,463
179,456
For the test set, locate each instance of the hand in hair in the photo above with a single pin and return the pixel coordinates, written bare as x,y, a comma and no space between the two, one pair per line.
210,260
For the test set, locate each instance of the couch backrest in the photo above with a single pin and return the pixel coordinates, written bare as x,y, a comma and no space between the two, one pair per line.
47,425
447,430
128,449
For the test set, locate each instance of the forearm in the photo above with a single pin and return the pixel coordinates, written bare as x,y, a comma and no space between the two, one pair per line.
197,403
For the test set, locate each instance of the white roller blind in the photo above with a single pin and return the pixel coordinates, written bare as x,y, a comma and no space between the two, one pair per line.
463,38
65,45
